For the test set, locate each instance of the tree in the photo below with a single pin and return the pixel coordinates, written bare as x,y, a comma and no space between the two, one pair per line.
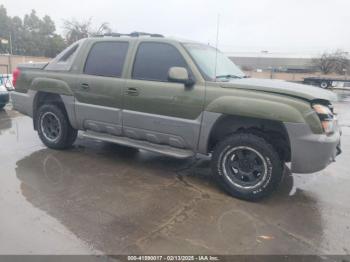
31,36
17,36
332,62
36,36
55,45
341,61
324,63
4,29
103,29
76,30
37,33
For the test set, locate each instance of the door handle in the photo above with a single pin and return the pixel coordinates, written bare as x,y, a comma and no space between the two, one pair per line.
131,91
85,86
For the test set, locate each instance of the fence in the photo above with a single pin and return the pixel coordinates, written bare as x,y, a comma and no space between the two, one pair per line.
9,62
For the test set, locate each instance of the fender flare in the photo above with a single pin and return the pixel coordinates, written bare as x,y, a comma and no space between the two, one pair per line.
252,108
49,85
55,87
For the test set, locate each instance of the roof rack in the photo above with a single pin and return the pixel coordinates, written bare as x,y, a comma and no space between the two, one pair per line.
133,34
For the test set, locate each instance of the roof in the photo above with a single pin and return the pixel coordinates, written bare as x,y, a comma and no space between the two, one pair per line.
137,36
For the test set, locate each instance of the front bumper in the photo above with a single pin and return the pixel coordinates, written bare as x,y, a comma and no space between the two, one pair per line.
311,152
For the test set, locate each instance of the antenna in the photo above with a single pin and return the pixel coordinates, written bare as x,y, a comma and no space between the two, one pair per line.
217,44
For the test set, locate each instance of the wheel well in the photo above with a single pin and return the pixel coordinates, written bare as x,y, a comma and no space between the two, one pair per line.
43,98
273,132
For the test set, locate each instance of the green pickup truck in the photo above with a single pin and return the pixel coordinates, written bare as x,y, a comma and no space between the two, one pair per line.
180,98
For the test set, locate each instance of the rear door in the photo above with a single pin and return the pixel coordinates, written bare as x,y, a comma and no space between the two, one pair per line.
156,109
100,86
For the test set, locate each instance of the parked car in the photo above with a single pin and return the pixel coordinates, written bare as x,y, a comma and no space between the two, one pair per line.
4,96
180,98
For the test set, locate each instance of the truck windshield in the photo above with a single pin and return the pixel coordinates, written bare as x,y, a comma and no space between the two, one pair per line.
214,65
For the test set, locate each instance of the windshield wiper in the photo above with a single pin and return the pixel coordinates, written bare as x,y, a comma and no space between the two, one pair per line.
228,76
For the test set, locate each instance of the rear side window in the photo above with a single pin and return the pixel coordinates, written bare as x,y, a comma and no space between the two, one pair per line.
106,59
153,61
64,60
67,57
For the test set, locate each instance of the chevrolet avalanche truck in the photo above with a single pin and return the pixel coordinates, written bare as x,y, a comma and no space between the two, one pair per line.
180,98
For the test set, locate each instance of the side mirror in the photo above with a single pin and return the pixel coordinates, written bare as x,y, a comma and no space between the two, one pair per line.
180,75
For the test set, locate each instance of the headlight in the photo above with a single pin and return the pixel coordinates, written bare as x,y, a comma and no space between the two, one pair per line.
328,120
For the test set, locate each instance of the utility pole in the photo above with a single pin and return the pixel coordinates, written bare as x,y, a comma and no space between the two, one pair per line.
217,46
271,71
11,44
345,73
10,55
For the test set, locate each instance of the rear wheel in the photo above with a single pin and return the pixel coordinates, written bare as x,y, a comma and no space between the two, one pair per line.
54,128
247,166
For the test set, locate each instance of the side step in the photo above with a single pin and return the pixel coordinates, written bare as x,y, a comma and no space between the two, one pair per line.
161,149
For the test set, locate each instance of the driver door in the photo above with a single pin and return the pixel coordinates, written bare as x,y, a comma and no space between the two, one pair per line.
156,109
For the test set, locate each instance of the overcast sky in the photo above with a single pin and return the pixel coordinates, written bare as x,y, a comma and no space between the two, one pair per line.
303,26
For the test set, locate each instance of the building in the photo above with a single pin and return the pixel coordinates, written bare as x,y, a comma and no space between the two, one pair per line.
9,62
281,62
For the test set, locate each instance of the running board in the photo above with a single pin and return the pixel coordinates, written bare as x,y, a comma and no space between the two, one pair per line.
156,148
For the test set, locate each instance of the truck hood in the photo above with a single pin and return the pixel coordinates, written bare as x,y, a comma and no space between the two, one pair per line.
282,87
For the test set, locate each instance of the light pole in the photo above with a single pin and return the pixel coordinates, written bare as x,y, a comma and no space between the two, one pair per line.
10,43
345,73
271,71
10,55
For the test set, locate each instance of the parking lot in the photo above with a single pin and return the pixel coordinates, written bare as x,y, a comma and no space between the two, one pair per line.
100,198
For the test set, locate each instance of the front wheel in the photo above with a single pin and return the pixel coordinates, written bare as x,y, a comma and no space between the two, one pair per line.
247,166
54,128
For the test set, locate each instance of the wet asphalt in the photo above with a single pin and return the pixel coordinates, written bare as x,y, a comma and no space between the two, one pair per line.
100,198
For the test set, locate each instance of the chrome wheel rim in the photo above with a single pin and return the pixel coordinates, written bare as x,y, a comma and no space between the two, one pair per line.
244,167
50,126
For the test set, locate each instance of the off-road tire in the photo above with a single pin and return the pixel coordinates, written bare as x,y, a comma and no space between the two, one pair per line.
67,134
268,156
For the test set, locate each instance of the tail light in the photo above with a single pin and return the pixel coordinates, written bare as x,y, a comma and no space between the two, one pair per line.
15,76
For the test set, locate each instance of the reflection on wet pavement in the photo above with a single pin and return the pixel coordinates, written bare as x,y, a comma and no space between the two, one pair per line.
100,197
6,122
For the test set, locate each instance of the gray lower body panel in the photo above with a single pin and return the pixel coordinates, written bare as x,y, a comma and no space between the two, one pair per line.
23,102
208,122
158,129
89,113
177,133
311,152
69,104
161,149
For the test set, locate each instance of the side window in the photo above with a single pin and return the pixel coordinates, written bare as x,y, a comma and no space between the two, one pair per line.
153,61
106,59
67,57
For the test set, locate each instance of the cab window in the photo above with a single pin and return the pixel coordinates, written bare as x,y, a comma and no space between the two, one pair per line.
153,61
106,59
